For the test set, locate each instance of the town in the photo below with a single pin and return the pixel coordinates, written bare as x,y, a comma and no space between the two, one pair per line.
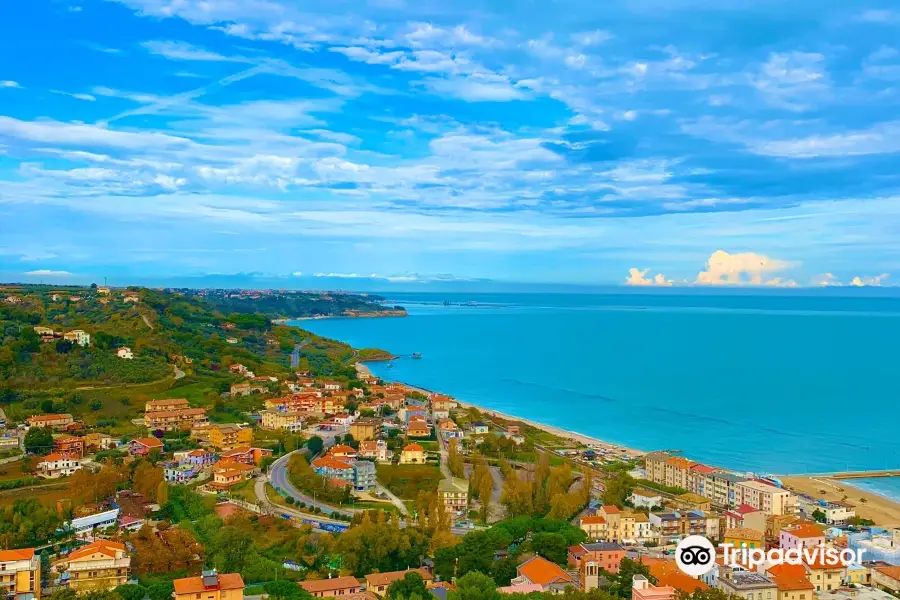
242,476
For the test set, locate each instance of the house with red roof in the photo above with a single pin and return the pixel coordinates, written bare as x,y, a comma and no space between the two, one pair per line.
56,465
540,571
99,566
143,446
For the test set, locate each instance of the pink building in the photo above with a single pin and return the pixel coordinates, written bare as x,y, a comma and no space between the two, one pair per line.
800,536
642,589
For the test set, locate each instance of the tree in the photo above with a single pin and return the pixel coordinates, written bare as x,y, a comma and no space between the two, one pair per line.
63,346
230,549
618,489
819,516
39,440
160,591
47,406
315,444
454,458
146,480
411,586
162,493
476,586
551,546
131,592
504,570
621,582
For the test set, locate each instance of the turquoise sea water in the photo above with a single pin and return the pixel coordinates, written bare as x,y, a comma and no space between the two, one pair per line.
781,384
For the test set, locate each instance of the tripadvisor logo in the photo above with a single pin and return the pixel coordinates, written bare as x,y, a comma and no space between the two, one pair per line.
696,556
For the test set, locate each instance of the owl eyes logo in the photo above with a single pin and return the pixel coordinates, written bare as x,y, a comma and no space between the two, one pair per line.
695,555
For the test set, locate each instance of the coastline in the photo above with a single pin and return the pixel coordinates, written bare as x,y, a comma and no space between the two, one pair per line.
574,436
884,510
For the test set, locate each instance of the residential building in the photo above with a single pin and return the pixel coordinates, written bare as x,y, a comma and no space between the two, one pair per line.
418,429
746,584
171,420
247,455
54,421
801,535
125,353
363,475
454,494
229,435
343,452
676,472
746,516
199,457
43,331
332,588
666,525
78,336
228,473
69,446
645,499
333,468
441,402
132,297
245,389
542,572
479,427
642,589
744,537
412,454
605,555
826,575
832,513
772,500
376,449
721,488
667,573
378,583
439,414
697,477
84,527
99,566
643,532
210,585
594,526
180,472
449,429
791,582
143,446
166,404
20,574
8,440
365,429
655,466
56,465
691,501
887,577
99,441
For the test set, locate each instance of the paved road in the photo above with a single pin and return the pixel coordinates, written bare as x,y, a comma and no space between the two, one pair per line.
178,372
279,478
394,499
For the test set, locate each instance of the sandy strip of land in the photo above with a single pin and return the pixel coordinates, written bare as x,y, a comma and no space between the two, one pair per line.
562,433
884,511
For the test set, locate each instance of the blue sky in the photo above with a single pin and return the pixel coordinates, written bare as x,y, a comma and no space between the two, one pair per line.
654,141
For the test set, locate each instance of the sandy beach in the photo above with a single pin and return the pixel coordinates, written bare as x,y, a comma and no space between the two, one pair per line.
884,511
562,433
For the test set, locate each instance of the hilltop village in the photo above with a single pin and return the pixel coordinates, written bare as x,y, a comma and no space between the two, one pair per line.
160,444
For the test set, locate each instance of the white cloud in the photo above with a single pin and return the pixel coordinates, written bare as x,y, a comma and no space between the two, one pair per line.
426,35
882,138
592,38
48,273
826,280
474,90
9,84
880,16
176,50
791,80
297,274
79,96
637,277
874,281
743,268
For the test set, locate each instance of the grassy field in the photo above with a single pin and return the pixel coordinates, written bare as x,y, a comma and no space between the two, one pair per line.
406,481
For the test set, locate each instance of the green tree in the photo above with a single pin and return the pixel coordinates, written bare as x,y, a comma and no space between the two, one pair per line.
476,586
315,444
131,591
286,590
617,489
504,570
620,583
411,586
819,516
39,440
551,546
160,591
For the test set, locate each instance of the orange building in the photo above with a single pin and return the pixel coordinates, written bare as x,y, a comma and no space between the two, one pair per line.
69,446
20,574
210,586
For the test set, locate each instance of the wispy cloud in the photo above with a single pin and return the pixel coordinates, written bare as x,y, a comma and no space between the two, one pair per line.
47,273
7,83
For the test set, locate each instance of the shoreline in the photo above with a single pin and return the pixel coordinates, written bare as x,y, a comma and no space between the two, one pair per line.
623,451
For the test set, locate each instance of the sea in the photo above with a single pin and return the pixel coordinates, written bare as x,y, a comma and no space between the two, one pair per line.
780,383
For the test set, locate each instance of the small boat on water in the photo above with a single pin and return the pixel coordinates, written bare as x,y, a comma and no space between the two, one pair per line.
390,365
417,355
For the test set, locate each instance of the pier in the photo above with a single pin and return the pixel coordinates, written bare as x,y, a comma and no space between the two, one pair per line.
852,474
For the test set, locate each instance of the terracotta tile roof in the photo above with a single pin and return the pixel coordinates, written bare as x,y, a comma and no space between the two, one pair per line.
49,417
331,463
893,571
21,554
681,463
805,530
542,572
743,533
149,442
194,585
325,585
237,451
595,520
787,571
101,546
392,576
413,448
52,458
667,573
342,449
704,469
744,509
610,509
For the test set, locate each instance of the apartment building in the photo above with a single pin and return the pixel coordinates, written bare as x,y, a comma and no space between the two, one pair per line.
642,589
166,404
332,588
210,586
52,420
56,465
282,419
20,574
378,583
179,418
228,435
746,584
768,498
721,488
101,565
366,429
454,494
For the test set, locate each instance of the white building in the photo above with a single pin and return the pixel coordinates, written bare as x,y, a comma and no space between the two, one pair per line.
85,526
768,498
125,352
56,465
645,499
82,338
